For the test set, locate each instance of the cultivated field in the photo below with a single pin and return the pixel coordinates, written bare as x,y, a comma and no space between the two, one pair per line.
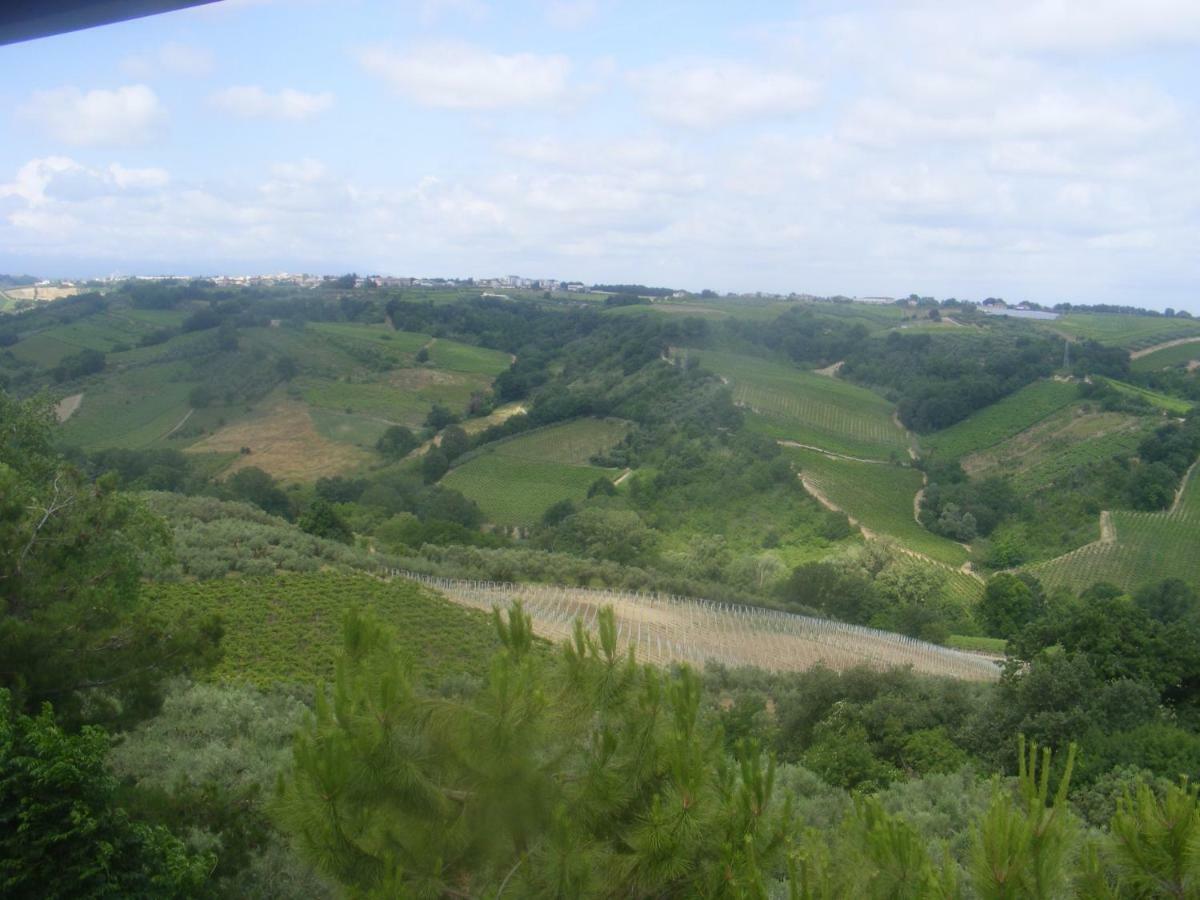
1131,332
573,443
516,480
1154,398
666,629
288,628
1146,547
1038,456
134,409
283,441
880,498
1000,421
790,404
1178,355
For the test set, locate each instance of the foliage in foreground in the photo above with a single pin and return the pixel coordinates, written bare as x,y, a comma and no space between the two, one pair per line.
61,832
591,776
74,630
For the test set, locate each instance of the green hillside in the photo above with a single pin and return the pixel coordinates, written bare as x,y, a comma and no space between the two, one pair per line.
1004,419
790,404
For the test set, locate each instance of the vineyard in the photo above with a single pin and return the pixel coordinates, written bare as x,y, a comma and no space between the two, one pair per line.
666,629
878,497
515,491
1002,420
1147,547
1154,398
790,404
1051,449
1178,355
514,481
1131,332
287,628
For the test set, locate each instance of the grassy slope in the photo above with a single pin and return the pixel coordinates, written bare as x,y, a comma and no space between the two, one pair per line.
791,404
515,481
1004,419
514,491
1154,398
880,497
288,627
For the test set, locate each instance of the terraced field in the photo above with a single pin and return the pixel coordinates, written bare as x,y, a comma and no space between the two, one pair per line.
517,480
880,498
790,404
1002,420
666,630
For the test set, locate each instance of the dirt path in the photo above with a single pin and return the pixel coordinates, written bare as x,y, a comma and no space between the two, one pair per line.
623,478
179,424
917,498
1183,483
831,371
1178,342
830,453
870,535
67,407
1108,534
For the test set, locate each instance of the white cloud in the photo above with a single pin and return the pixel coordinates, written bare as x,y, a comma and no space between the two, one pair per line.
137,179
252,102
171,58
706,95
461,76
126,115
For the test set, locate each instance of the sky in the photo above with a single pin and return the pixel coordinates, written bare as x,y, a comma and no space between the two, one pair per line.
1043,150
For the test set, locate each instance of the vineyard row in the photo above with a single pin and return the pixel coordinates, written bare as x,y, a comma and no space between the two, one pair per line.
666,629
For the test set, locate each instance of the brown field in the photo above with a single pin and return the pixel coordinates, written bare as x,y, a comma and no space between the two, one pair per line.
41,293
283,442
67,406
498,416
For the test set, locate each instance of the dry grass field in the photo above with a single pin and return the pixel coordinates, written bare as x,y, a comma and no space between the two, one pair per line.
284,442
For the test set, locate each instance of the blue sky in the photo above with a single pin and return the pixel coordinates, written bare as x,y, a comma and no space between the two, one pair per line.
1036,149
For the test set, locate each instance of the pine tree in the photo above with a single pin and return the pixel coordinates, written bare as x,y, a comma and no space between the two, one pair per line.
579,773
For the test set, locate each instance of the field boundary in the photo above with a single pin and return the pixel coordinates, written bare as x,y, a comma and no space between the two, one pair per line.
668,629
1166,345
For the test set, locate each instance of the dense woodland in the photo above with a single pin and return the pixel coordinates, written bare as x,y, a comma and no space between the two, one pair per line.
135,760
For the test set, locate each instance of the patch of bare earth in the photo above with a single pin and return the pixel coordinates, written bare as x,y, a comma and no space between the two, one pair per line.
67,407
831,371
283,442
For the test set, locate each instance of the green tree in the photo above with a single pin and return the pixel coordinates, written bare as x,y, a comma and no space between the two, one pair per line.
396,442
434,465
62,834
73,628
439,417
1009,603
255,486
581,775
454,442
322,520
